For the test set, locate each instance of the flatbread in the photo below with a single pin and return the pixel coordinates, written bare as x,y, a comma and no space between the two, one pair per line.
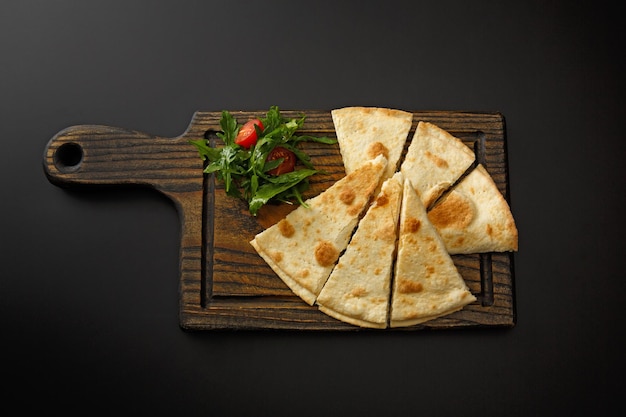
366,132
358,289
474,217
426,282
304,247
435,160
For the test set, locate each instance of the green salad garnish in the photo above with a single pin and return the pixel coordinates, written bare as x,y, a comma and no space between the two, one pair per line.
260,160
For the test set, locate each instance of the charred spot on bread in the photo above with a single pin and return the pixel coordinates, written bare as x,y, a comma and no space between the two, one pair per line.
382,200
363,181
354,210
455,211
326,254
377,148
406,286
347,196
277,257
286,229
412,225
358,292
438,161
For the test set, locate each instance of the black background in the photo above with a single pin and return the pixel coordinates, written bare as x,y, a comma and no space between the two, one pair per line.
89,302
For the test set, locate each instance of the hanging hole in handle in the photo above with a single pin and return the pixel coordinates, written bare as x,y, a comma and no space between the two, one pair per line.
68,157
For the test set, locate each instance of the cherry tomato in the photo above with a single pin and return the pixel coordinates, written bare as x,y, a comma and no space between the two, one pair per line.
247,134
289,160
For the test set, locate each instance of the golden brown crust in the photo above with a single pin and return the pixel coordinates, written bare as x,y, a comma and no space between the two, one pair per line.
326,253
277,257
455,211
412,225
382,200
286,228
407,287
376,149
438,161
347,196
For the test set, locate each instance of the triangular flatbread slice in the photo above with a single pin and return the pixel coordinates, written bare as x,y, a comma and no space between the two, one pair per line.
358,289
304,247
426,282
366,132
435,160
474,217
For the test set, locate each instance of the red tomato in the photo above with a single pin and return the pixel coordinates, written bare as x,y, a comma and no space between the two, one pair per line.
247,134
288,164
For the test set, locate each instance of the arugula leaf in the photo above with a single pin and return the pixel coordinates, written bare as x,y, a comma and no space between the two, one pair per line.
244,172
205,151
271,189
229,128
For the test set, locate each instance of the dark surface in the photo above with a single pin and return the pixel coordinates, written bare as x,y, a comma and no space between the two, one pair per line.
88,294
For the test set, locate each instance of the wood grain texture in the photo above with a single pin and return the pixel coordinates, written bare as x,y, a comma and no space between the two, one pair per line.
224,284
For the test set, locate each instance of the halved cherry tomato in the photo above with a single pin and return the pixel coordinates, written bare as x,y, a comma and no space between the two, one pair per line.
289,160
247,136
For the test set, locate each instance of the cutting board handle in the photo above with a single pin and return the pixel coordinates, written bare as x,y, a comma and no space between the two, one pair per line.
95,155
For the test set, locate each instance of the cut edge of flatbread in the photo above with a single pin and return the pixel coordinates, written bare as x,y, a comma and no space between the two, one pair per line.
426,283
358,289
434,161
303,248
366,132
474,217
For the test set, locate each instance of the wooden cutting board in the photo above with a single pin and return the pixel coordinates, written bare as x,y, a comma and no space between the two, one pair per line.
224,284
